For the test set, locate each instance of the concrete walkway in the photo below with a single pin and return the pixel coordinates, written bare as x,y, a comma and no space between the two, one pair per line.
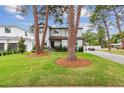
114,57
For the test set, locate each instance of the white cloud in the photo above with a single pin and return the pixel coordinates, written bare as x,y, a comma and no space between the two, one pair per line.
85,12
19,17
12,9
86,26
26,24
53,25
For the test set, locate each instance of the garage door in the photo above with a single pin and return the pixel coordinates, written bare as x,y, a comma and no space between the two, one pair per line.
1,46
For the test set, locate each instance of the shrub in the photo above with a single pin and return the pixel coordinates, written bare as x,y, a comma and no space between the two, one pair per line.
14,51
10,52
0,53
7,52
4,53
64,48
17,52
21,45
33,49
8,48
80,49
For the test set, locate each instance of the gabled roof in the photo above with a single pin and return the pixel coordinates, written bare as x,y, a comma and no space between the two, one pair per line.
51,27
13,26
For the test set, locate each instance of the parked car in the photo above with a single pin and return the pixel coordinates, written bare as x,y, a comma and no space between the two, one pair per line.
91,49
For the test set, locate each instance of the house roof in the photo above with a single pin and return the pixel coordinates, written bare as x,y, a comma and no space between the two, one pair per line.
51,27
63,28
6,37
13,26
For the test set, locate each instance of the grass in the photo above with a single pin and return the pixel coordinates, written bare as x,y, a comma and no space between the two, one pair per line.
117,51
21,71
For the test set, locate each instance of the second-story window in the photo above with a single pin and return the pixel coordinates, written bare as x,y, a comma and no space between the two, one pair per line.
56,32
7,30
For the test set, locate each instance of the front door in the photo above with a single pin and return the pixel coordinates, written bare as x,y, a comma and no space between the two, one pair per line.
52,44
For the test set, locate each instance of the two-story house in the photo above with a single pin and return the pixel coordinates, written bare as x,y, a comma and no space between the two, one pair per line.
58,36
10,35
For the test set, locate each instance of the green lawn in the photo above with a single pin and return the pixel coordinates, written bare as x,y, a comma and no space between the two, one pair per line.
20,70
117,51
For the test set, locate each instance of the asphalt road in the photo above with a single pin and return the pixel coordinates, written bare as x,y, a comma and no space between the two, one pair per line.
114,57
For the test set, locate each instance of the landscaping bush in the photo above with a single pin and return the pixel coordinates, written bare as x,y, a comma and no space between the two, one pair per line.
80,49
0,53
21,46
33,49
8,48
10,52
64,48
7,52
14,51
4,53
17,52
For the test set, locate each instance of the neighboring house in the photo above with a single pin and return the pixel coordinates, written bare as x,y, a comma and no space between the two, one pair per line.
10,35
88,48
116,45
58,36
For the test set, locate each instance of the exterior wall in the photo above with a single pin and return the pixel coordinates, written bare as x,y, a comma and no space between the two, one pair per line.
47,39
79,43
15,32
29,45
79,34
61,32
14,36
41,35
57,43
64,43
64,33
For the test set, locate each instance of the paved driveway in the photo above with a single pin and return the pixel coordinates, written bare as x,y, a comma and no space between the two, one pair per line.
113,57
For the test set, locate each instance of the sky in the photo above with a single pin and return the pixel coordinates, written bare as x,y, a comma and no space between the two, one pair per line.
9,16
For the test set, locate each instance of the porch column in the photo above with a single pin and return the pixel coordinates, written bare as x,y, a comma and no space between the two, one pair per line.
6,45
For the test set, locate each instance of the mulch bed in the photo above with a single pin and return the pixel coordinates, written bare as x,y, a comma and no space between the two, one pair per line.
38,55
77,63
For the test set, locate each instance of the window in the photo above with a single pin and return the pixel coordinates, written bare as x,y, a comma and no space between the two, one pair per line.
7,30
13,46
1,46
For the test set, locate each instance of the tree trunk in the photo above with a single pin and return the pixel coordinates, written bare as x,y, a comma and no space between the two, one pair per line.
119,28
77,23
71,44
45,28
107,30
37,44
